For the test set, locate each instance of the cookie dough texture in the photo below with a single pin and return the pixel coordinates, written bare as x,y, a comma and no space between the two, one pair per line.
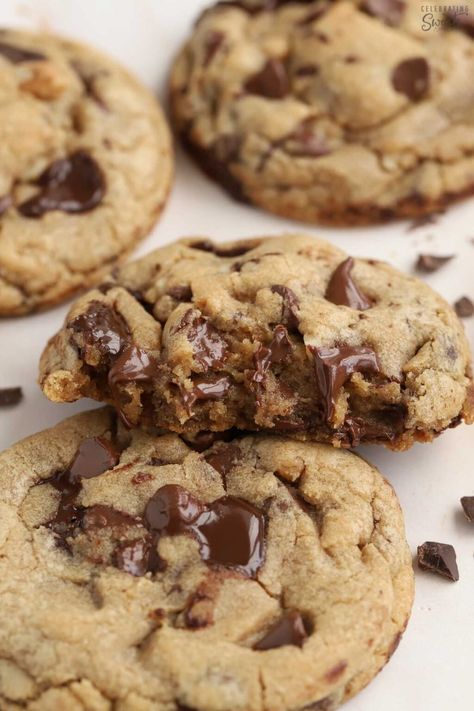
79,633
285,334
61,101
334,112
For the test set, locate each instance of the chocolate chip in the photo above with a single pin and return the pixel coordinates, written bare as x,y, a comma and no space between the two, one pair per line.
271,81
5,203
17,55
305,141
431,262
288,630
205,390
438,558
88,82
389,11
10,396
467,502
229,531
75,184
181,292
290,306
462,21
103,328
213,42
224,458
412,78
337,671
133,557
334,366
209,348
464,307
342,289
134,364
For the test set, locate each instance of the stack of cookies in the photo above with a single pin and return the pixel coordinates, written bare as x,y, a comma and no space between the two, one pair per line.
206,541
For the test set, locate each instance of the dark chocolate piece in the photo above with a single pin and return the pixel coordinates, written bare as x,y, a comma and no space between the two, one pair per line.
431,262
88,81
464,307
289,629
230,531
133,557
209,348
342,289
17,55
205,390
224,458
75,184
205,245
438,558
271,81
334,366
103,328
337,671
290,306
412,78
181,292
134,364
467,503
10,396
389,11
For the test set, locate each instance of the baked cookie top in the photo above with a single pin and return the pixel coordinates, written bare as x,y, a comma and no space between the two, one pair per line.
336,112
86,165
140,574
287,334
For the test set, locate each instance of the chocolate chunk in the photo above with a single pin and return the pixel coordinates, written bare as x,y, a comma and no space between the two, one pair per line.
272,81
93,457
431,262
467,502
342,289
438,558
290,306
304,141
134,364
461,20
334,366
10,396
224,458
133,557
74,184
337,671
181,292
88,82
209,348
103,328
213,42
307,70
389,11
17,55
230,531
205,390
412,78
464,307
5,203
238,250
279,349
290,629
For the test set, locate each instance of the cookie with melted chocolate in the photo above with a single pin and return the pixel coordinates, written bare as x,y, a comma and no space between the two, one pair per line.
158,576
284,334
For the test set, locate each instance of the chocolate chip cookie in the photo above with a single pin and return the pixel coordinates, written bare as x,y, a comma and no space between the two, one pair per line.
86,165
286,334
334,112
139,574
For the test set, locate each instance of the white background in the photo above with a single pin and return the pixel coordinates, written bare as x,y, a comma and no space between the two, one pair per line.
434,666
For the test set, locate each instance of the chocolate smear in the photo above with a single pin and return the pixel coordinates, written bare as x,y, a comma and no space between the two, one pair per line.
389,11
464,307
280,349
229,531
17,55
412,78
289,630
271,81
467,503
205,390
10,396
334,366
208,347
342,289
75,184
103,328
431,263
224,458
438,558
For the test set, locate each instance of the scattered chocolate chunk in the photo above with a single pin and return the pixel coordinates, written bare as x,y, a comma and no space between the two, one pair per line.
290,306
5,203
209,348
224,458
342,289
438,558
389,11
461,20
89,83
412,78
290,629
337,671
335,365
464,307
134,364
17,55
229,531
75,184
271,82
431,262
213,42
181,292
103,328
467,503
10,396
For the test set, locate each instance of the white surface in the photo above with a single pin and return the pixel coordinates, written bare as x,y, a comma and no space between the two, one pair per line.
433,666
